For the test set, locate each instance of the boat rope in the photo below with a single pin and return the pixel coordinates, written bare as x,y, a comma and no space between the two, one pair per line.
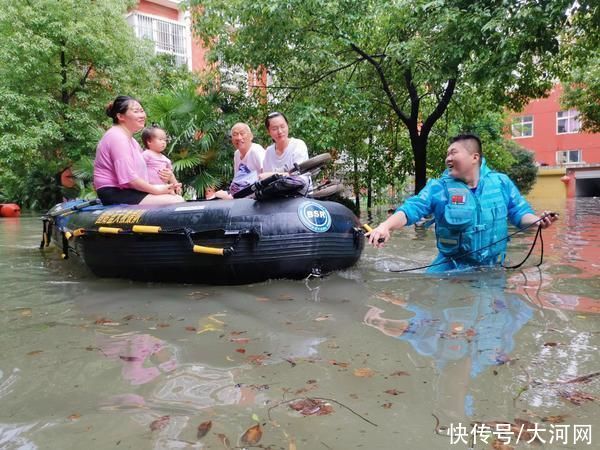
152,229
516,266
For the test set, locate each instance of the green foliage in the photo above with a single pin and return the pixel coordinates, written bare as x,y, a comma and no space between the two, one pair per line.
524,171
198,147
409,58
582,62
61,61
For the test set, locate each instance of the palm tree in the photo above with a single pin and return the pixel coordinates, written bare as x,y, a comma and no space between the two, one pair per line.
198,146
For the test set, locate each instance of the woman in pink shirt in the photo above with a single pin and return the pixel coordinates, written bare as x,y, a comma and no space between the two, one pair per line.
120,173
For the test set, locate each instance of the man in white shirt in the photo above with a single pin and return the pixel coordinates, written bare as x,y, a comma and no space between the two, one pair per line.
247,159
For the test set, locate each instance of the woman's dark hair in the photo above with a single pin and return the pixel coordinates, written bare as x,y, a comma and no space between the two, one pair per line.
148,133
119,106
272,115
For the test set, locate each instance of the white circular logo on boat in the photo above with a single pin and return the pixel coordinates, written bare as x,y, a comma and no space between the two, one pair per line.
314,217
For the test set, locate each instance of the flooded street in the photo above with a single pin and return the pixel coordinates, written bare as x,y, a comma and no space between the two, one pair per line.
388,360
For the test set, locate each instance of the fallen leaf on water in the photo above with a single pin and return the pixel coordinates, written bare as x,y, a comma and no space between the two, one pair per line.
311,381
550,344
577,397
364,372
130,358
285,298
354,396
213,317
262,299
203,428
104,321
311,406
338,363
399,373
74,416
35,352
256,359
128,317
394,392
239,340
209,327
499,445
292,445
240,350
304,390
237,333
555,419
387,405
290,361
224,440
190,328
323,317
159,423
252,435
25,312
255,417
163,325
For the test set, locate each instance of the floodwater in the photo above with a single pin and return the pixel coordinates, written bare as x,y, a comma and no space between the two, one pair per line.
389,360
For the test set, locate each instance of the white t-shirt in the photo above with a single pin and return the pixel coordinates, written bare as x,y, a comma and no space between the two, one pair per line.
253,159
296,152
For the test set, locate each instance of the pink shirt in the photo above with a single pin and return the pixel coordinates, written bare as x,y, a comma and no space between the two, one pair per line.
154,162
118,160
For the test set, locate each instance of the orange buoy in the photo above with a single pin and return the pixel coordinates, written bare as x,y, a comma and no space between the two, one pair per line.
9,210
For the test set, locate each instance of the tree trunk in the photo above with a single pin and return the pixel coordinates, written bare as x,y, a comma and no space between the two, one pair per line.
63,73
419,148
356,182
369,175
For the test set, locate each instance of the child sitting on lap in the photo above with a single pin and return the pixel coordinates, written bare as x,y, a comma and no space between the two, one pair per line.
155,141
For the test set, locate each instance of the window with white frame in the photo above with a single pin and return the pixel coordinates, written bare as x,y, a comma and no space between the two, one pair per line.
522,126
568,156
169,37
567,122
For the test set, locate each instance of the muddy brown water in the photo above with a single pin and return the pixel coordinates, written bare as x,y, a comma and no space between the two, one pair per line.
103,363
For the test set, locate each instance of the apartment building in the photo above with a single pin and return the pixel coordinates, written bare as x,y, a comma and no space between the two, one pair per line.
569,158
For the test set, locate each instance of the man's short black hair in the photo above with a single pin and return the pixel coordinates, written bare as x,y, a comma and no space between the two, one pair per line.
470,137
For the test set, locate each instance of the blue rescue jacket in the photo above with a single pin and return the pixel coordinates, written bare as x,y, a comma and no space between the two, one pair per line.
466,220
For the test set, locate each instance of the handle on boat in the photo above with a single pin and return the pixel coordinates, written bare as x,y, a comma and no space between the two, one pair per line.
368,229
212,250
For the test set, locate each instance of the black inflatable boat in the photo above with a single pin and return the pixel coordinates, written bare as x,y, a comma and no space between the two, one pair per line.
217,242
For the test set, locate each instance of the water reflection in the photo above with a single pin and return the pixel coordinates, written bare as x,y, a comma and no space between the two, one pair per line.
474,346
142,356
463,335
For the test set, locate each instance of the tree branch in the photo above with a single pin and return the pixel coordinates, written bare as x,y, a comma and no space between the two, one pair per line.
64,94
413,94
318,79
384,82
440,108
82,81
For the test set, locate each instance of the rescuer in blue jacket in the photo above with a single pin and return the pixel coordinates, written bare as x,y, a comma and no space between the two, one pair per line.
471,204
